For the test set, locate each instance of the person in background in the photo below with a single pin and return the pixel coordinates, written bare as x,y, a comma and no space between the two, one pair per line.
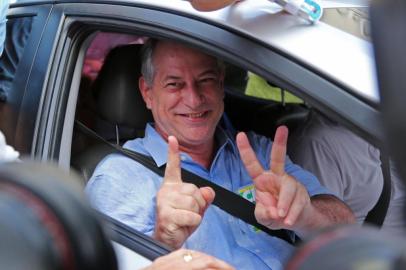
7,152
343,162
210,5
349,167
3,20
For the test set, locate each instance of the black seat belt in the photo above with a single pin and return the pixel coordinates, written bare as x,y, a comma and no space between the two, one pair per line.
376,216
226,200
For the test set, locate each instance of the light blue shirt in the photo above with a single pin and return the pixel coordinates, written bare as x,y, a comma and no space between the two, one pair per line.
125,190
3,13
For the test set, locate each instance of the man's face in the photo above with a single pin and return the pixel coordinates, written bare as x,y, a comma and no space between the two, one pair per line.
186,96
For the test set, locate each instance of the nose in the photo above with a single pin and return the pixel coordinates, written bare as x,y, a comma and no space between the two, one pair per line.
193,97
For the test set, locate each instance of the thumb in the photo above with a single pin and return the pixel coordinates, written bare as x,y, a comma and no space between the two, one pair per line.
208,195
173,171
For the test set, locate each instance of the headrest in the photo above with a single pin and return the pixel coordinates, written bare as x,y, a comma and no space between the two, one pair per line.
267,119
117,96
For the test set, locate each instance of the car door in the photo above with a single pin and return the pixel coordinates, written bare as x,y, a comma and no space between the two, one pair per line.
52,73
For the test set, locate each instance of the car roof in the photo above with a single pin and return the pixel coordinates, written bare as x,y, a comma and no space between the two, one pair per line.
340,56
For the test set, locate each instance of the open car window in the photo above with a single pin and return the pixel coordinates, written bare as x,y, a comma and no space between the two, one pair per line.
252,102
109,77
109,80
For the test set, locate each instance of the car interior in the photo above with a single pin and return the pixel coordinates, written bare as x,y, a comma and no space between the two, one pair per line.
111,105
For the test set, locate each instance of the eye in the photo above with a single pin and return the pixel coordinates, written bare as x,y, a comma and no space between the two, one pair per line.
174,85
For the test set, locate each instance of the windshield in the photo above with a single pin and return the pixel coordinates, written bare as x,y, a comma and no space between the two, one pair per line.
352,20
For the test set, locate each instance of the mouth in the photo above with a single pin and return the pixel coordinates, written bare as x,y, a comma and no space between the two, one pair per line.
195,116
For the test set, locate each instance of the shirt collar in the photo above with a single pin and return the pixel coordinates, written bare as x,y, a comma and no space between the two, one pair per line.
158,147
223,137
155,145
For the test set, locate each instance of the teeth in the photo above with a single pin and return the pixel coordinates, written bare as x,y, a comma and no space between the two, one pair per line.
195,115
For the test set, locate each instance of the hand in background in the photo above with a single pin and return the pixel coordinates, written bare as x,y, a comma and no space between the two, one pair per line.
183,259
210,5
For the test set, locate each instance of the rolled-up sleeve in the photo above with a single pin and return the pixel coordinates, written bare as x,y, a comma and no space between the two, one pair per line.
124,190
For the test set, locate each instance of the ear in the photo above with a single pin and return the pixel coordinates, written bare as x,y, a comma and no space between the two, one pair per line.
145,90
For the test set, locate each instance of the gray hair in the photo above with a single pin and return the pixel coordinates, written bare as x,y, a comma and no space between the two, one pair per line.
147,66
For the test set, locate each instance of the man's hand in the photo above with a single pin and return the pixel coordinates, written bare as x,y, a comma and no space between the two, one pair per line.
281,201
210,5
180,206
187,260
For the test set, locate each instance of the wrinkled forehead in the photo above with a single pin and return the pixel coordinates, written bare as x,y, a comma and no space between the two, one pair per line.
167,52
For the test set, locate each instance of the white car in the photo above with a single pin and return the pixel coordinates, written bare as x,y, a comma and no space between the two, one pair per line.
55,52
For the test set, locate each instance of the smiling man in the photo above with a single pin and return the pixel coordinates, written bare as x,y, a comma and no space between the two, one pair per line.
185,97
184,90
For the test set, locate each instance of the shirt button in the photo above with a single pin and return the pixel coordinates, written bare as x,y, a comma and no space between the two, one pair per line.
183,158
257,251
230,220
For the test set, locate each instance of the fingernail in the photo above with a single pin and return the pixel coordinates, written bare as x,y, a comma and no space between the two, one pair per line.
281,212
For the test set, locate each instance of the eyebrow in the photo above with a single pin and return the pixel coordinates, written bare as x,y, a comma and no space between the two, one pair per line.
209,72
172,77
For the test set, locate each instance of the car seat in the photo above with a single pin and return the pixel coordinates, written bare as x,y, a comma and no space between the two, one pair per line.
263,116
121,113
268,118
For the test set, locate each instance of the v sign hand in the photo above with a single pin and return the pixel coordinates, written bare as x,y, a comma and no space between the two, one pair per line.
281,201
180,206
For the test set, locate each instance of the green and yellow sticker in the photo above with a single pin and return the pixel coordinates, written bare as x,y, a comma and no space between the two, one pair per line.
248,193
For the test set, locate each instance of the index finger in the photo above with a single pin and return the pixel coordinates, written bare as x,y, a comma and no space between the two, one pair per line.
172,171
278,152
248,156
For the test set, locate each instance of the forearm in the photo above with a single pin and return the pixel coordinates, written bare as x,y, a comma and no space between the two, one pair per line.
209,5
327,211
